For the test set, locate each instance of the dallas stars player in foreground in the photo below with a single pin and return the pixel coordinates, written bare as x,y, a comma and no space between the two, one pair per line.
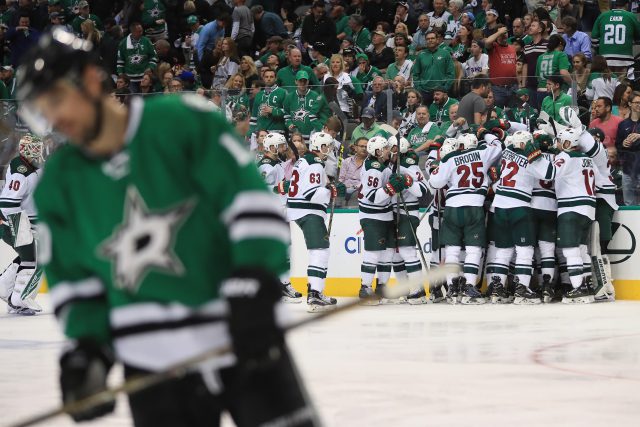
20,281
158,246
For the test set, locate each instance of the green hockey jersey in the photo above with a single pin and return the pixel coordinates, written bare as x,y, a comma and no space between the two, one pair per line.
134,57
550,64
153,11
307,112
76,24
272,97
136,245
613,35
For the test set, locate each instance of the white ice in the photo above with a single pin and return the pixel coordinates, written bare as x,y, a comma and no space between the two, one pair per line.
434,365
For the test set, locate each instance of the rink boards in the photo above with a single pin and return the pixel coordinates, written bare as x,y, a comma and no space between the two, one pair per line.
343,276
347,243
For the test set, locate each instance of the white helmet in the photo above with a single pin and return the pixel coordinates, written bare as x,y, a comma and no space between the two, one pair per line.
467,141
404,144
30,147
318,140
519,139
376,143
448,146
569,136
273,140
568,116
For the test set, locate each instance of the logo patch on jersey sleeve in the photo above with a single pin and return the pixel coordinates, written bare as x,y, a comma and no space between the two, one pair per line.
22,168
435,171
376,164
410,161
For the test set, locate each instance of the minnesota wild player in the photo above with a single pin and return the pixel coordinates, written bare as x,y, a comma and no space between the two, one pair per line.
20,281
159,243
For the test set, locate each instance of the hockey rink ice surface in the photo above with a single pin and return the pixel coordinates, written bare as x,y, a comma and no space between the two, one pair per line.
400,365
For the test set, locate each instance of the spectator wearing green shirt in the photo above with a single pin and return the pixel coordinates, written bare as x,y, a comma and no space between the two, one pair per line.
556,99
422,135
286,76
439,110
519,32
401,66
365,72
433,67
85,14
554,62
368,128
341,19
274,47
358,32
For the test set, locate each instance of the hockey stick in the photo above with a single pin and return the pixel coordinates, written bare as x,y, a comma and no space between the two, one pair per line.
343,118
413,231
180,369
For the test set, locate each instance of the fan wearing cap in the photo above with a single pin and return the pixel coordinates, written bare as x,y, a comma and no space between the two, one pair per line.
286,76
274,47
523,112
556,98
366,72
317,27
82,16
305,110
368,128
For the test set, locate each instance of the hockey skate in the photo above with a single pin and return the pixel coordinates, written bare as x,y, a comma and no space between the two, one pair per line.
435,294
417,297
454,291
548,293
317,302
498,294
469,294
524,295
290,295
20,310
579,295
367,296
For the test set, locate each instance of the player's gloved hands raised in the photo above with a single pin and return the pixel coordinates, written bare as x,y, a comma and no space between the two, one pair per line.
282,187
497,124
543,140
532,151
252,294
398,182
83,372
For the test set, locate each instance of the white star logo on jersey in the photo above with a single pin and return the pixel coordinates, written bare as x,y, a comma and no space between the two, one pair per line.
144,241
154,13
300,115
135,59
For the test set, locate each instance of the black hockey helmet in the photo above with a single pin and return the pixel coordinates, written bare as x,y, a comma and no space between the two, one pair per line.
597,134
59,54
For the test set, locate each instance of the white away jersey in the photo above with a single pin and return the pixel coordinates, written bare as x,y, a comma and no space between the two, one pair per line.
409,166
575,178
373,201
273,173
544,192
516,182
308,194
17,194
465,174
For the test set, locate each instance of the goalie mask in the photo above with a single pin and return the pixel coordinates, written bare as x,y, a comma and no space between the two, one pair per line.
30,148
320,139
567,140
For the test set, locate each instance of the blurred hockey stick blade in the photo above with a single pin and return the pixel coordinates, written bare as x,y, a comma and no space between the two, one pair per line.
181,369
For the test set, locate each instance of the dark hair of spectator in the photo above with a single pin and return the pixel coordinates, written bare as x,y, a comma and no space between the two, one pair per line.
333,123
618,93
607,102
457,40
133,25
570,24
555,41
358,19
480,80
599,65
330,89
385,26
542,14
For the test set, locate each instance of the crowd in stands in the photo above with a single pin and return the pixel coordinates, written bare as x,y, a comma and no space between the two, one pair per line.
414,66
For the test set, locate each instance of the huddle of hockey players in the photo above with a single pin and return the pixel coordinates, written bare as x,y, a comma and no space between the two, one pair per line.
513,208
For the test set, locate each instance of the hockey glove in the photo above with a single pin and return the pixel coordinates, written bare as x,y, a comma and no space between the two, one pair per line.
333,189
282,188
532,151
341,188
544,141
252,294
494,173
83,373
497,124
437,143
